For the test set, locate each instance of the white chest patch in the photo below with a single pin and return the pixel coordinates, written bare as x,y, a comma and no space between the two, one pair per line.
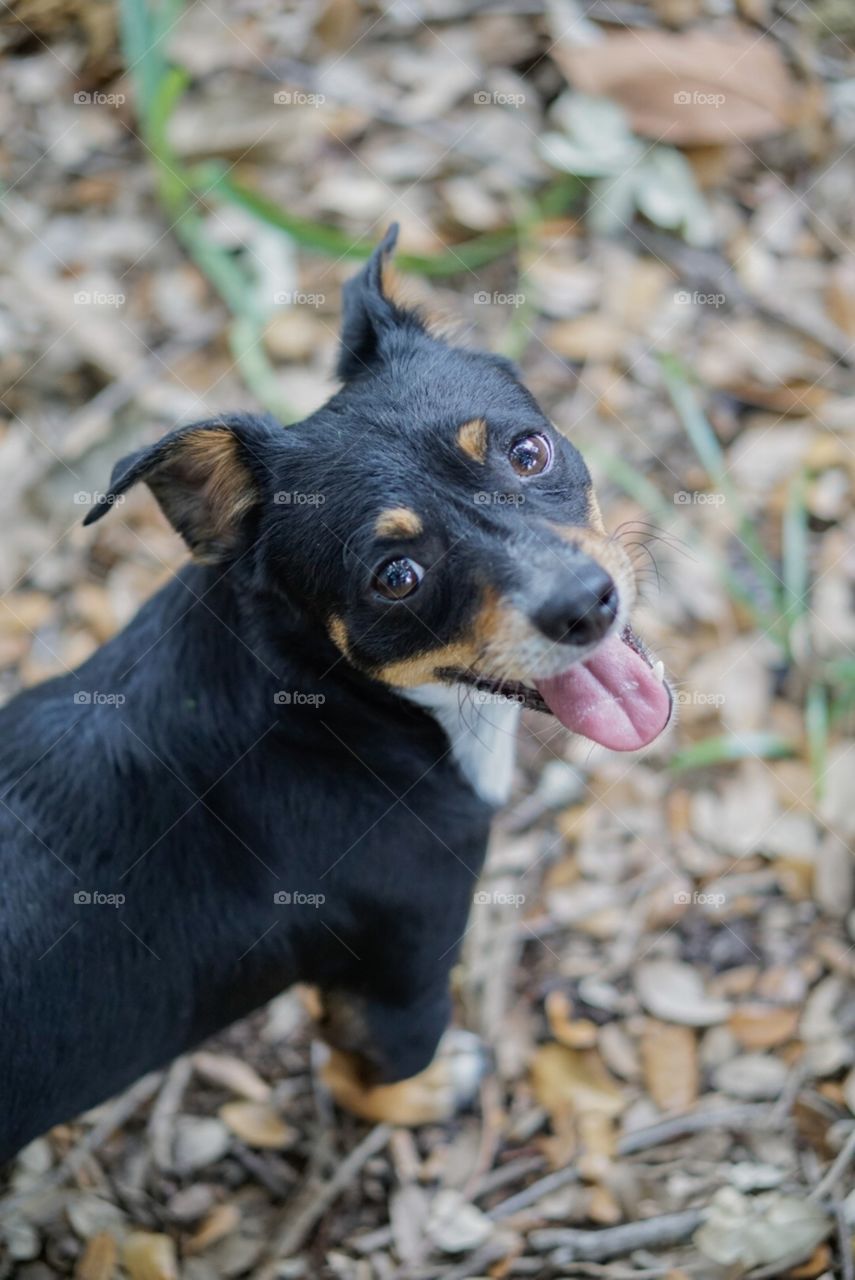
482,731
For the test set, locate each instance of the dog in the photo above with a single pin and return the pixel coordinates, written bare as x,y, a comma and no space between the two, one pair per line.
285,767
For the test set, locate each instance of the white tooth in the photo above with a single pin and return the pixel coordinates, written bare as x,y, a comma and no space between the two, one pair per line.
659,671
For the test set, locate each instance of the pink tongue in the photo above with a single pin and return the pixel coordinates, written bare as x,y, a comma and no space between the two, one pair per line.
612,698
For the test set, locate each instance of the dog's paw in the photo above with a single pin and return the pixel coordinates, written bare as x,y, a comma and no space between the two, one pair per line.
445,1087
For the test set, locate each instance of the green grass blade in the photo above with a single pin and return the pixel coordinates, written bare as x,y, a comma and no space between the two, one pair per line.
817,727
729,748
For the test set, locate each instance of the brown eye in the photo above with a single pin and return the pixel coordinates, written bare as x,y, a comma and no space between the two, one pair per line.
530,455
397,579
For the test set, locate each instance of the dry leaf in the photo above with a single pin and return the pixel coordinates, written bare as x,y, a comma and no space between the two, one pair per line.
762,1026
98,1260
455,1225
755,1076
199,1141
574,1080
675,992
258,1125
669,1057
146,1256
577,1033
688,88
233,1074
746,1232
220,1222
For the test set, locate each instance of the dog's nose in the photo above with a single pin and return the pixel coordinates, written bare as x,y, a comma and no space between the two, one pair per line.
582,609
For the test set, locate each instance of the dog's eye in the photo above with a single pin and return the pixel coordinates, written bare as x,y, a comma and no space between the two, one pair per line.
530,455
399,578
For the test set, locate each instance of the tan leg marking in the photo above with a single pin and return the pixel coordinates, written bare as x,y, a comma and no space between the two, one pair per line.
434,1095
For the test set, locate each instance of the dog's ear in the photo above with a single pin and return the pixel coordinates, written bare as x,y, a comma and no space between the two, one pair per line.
205,477
370,314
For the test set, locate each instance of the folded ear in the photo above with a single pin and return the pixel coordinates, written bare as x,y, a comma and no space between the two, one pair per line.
370,314
205,477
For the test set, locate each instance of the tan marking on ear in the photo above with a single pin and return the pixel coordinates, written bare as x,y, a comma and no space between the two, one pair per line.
472,439
338,634
427,1098
214,458
204,488
398,522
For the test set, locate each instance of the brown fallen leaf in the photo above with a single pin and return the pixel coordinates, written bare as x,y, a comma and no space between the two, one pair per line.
669,1056
233,1074
98,1260
692,87
574,1079
146,1256
576,1033
759,1026
258,1125
220,1222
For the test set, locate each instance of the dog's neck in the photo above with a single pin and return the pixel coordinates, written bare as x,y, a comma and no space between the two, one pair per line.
287,654
482,732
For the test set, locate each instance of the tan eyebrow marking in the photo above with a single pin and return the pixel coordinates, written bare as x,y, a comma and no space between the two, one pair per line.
338,634
472,439
398,522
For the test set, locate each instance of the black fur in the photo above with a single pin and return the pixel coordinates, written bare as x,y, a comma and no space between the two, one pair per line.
222,750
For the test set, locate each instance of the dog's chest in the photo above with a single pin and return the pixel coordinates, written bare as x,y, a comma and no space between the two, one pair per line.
482,733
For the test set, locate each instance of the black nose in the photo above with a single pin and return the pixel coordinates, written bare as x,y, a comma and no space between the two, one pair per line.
581,609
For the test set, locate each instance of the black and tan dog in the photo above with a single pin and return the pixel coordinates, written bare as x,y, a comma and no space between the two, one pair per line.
280,771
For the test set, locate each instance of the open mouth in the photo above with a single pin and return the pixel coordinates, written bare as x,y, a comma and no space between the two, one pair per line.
616,696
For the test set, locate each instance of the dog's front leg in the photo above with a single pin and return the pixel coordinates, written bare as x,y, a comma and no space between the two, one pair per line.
393,1063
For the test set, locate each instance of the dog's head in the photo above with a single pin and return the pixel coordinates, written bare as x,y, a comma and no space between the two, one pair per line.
430,519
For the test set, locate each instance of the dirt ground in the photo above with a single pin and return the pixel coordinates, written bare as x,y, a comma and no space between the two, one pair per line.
650,207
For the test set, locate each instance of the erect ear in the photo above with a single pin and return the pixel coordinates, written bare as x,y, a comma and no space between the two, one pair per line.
205,477
370,313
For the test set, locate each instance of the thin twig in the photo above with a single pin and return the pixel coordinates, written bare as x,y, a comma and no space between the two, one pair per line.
752,1115
317,1198
841,1163
576,1245
161,1122
116,1114
844,1242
